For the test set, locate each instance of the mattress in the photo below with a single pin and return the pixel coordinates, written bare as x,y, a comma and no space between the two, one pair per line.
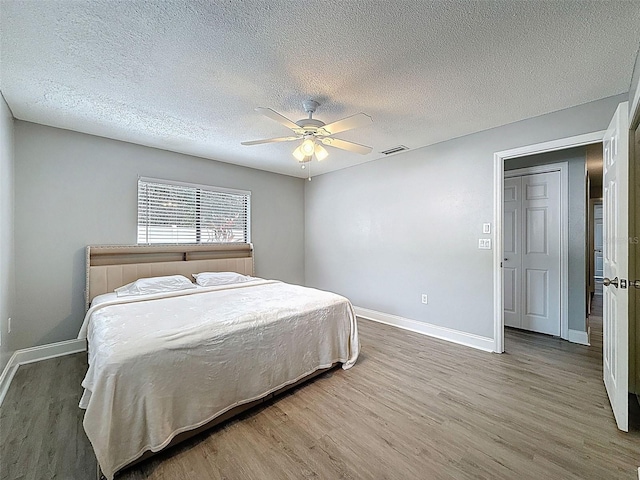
164,364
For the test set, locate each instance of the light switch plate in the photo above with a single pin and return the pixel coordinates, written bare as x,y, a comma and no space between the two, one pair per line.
484,243
486,228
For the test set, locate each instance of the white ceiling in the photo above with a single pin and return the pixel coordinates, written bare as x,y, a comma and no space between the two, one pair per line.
186,75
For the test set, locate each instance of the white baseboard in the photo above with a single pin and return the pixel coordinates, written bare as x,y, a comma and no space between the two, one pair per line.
36,354
456,336
577,336
9,371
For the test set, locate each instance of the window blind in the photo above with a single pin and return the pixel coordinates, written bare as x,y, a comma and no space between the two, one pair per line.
175,212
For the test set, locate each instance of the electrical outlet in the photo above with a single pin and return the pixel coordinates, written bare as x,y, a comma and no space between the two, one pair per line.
425,300
9,325
484,243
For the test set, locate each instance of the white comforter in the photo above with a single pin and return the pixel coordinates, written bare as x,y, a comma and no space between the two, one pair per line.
162,366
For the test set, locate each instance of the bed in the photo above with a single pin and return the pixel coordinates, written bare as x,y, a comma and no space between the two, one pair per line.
165,365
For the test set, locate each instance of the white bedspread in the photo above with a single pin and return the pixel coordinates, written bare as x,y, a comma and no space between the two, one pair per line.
164,366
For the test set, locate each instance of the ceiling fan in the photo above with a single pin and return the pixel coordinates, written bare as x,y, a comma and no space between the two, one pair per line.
315,132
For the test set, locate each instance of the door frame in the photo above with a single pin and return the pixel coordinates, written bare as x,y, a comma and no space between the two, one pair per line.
563,168
593,202
498,187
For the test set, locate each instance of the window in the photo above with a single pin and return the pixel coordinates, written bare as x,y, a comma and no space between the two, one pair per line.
175,212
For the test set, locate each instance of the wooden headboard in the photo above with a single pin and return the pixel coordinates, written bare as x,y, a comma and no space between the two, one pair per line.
112,266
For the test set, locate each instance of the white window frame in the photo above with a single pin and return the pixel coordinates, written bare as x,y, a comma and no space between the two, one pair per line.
195,186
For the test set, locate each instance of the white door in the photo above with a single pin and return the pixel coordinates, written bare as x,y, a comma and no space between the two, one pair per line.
512,264
541,252
532,252
615,322
597,248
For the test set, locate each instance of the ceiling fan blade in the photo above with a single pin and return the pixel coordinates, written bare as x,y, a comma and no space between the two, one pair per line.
345,145
273,115
270,140
354,121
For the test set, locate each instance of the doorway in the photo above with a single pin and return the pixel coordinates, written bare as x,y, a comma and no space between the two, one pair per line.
499,168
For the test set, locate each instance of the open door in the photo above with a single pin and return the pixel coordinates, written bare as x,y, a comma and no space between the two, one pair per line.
615,321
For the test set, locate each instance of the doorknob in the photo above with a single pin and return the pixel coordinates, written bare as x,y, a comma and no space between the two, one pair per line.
634,284
606,282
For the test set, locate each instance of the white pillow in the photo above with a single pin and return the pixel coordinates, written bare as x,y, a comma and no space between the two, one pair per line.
142,286
211,279
105,297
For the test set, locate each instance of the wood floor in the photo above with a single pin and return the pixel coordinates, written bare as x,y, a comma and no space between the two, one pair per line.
412,408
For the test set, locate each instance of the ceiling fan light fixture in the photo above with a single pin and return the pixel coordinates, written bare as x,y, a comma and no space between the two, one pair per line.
321,152
308,147
299,154
315,133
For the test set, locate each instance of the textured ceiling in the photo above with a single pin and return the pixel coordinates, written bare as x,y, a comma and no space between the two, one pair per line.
186,75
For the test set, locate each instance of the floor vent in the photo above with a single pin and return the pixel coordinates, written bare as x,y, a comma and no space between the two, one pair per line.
397,149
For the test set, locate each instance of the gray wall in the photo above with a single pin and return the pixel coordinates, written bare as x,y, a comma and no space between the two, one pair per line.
7,283
384,232
73,189
576,158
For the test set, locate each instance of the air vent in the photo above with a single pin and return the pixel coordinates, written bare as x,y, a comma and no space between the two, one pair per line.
397,149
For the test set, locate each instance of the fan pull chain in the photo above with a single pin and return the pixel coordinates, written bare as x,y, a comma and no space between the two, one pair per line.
308,171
